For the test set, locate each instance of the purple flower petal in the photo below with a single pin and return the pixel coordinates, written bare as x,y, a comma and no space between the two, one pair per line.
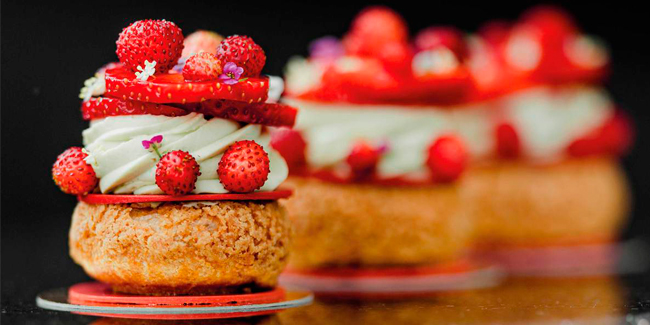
146,144
328,47
230,67
157,138
230,81
238,72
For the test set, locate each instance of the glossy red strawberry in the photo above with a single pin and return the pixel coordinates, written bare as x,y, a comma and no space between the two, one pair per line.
201,41
270,114
202,66
244,167
372,29
508,143
72,174
291,146
363,158
449,37
244,52
177,172
447,158
172,88
150,40
101,107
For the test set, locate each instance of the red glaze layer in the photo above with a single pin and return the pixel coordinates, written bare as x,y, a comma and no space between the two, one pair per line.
130,198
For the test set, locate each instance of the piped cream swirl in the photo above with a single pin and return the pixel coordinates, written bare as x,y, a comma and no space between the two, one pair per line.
123,166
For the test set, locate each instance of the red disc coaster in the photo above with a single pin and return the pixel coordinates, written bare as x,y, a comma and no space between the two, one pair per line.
131,198
96,293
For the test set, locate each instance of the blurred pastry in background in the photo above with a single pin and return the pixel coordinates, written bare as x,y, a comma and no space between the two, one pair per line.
373,159
549,173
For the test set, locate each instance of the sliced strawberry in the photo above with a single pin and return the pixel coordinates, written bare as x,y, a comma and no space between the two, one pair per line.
271,114
103,106
130,198
172,88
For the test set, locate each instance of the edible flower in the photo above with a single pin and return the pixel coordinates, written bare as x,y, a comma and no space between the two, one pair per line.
327,48
153,144
146,72
231,73
93,86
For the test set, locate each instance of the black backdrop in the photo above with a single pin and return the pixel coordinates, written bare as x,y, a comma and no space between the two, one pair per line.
48,50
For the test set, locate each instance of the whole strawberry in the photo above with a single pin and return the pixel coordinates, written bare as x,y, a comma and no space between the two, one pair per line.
201,40
291,146
447,158
373,29
72,174
203,66
151,40
244,52
176,173
363,158
244,167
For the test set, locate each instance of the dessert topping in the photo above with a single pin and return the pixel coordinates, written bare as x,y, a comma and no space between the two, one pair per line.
270,114
363,159
172,88
231,74
72,173
176,172
203,66
244,53
101,107
291,146
374,28
150,40
447,158
201,41
508,144
244,167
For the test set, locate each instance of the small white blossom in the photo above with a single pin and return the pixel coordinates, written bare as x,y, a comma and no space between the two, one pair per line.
148,71
93,86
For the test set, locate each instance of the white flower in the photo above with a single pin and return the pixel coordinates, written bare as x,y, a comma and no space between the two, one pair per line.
148,71
439,61
93,86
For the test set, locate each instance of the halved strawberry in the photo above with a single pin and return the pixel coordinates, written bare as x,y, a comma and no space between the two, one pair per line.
271,114
101,107
172,88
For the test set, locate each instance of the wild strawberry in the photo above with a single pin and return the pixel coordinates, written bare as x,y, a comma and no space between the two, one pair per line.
151,40
435,37
363,158
176,173
291,146
244,52
244,167
72,174
201,41
372,29
203,66
447,158
508,145
614,137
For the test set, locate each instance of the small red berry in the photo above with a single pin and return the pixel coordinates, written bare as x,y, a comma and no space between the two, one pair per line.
244,52
203,66
614,137
363,158
177,172
72,174
508,144
151,40
372,29
291,146
448,37
244,167
201,41
447,158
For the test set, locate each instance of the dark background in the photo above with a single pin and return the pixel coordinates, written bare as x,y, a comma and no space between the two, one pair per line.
49,49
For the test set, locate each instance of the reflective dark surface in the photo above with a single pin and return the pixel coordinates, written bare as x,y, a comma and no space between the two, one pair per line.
591,300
